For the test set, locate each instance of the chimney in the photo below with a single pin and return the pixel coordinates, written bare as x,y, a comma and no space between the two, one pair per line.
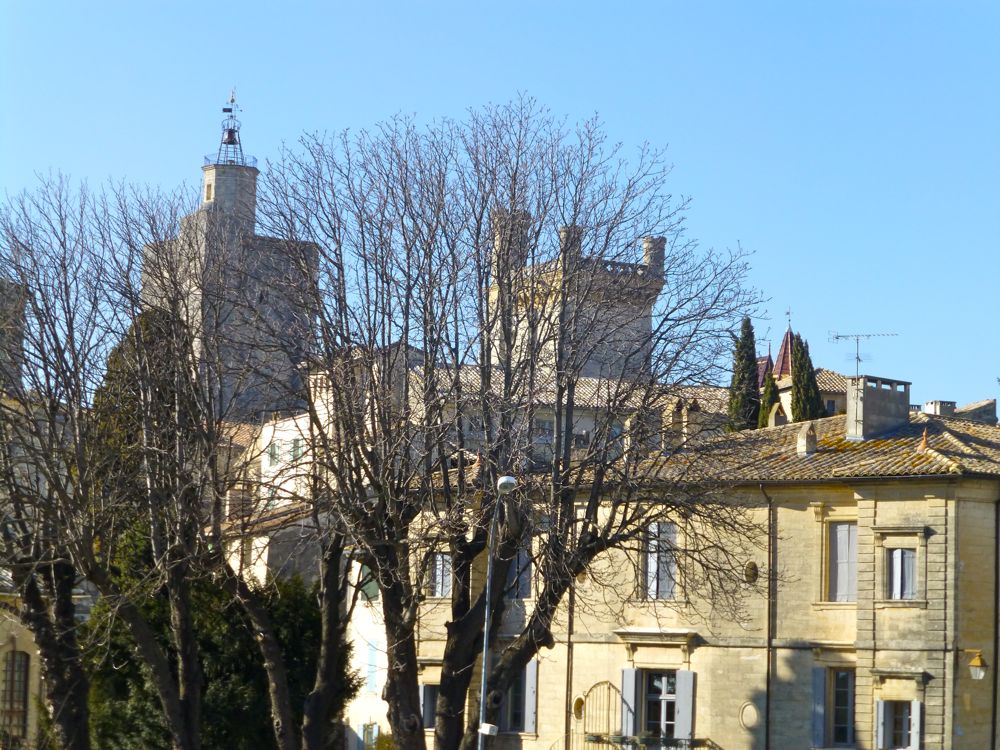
570,240
510,239
876,406
940,408
805,443
653,253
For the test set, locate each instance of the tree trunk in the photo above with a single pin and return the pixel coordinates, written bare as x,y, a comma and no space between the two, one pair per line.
66,683
189,677
401,690
282,716
324,702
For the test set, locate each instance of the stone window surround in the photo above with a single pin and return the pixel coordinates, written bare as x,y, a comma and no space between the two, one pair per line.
827,514
888,537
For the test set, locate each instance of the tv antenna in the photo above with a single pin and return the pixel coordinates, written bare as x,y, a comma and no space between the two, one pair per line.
856,337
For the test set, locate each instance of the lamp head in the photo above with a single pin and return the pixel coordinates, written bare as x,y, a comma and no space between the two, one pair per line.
506,484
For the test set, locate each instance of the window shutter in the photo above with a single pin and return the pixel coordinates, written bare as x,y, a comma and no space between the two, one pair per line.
909,589
652,559
881,730
819,707
852,561
667,561
530,696
915,725
427,706
684,717
895,573
630,697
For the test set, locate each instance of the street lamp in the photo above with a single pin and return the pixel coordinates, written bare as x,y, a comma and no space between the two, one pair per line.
977,665
505,485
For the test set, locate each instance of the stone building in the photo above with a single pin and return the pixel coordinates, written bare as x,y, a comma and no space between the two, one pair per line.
245,297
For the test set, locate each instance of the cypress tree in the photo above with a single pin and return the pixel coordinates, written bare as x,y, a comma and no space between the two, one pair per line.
806,401
744,398
767,399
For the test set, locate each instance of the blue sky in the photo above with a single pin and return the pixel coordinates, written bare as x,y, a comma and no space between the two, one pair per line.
853,146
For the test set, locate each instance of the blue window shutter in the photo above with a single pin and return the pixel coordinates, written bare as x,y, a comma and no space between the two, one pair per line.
819,707
880,725
630,697
684,716
909,590
531,696
915,725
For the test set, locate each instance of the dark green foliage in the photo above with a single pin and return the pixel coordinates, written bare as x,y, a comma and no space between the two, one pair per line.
768,398
744,399
806,401
125,711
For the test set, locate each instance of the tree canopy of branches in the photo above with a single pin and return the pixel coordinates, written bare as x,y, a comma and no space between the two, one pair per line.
120,439
744,398
806,400
503,294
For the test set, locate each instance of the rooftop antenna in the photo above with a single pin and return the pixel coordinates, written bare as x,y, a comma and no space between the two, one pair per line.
834,337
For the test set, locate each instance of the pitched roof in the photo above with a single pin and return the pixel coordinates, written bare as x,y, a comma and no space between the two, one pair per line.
783,364
764,366
827,380
954,447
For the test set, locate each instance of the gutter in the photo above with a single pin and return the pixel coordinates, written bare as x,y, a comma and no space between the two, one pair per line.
771,574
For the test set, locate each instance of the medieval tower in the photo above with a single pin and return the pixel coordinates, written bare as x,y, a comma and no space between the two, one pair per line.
243,296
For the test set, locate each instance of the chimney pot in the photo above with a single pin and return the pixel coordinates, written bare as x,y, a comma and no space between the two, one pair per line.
805,443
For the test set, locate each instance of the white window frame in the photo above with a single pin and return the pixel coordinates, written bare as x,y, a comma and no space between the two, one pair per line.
901,573
439,575
841,583
889,539
885,714
824,707
660,561
518,712
634,694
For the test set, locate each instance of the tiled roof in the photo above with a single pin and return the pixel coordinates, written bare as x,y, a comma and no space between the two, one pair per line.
827,380
764,366
783,363
954,447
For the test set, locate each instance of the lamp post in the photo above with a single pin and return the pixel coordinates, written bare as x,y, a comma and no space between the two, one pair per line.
505,485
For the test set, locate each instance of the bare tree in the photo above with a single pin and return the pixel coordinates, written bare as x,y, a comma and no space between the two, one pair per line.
486,304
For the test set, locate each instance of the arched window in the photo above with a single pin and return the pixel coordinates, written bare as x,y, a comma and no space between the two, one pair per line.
14,697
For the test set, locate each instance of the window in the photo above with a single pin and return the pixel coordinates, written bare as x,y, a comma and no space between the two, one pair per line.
901,573
428,704
512,708
368,584
517,711
660,563
581,440
831,407
660,715
897,725
296,451
544,432
439,583
208,192
519,576
273,450
658,703
842,574
14,700
833,707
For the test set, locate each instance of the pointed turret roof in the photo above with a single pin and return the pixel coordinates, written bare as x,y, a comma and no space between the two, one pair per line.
783,364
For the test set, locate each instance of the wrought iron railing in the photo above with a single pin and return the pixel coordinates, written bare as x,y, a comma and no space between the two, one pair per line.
245,161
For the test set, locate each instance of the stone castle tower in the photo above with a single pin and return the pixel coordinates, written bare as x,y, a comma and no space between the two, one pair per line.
243,295
605,314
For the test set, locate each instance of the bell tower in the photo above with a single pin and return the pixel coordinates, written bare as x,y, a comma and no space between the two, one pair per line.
229,178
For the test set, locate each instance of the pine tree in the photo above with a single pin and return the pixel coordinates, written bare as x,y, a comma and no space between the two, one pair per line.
744,398
806,401
767,399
